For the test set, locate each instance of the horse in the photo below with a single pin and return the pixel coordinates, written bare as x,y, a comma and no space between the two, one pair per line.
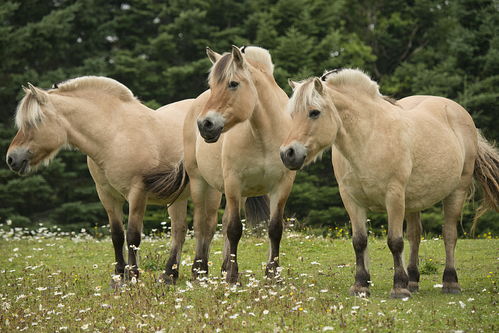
232,136
133,154
399,157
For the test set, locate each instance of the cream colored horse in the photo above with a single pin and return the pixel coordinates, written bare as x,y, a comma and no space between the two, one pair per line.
231,138
400,158
133,153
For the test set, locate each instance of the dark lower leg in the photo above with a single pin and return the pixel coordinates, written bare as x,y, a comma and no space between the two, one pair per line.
414,235
133,237
177,212
452,210
118,237
275,235
362,276
234,233
449,280
171,269
400,278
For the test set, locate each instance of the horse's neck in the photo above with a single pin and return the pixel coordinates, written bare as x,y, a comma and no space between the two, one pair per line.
360,120
269,119
89,123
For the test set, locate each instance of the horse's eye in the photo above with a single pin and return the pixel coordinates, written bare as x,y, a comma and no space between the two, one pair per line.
233,84
314,114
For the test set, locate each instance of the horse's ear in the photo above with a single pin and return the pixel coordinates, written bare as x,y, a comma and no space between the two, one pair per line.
292,84
39,94
237,56
212,55
25,89
318,85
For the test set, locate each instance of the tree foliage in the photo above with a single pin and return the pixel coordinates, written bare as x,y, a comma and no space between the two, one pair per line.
447,48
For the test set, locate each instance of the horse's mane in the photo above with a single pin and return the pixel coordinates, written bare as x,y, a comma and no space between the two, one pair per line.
224,68
29,112
352,77
109,85
305,95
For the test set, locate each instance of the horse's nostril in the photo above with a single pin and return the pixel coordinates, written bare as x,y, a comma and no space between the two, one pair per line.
290,153
9,160
208,124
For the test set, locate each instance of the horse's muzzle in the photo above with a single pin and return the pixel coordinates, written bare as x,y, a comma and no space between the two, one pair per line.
293,156
18,160
210,128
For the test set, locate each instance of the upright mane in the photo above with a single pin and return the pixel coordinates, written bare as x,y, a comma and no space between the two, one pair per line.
305,96
224,68
352,77
29,112
106,84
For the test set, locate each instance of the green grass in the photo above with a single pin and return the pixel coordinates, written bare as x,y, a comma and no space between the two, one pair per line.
59,284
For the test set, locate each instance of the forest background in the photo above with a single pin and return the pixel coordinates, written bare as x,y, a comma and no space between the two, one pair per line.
448,48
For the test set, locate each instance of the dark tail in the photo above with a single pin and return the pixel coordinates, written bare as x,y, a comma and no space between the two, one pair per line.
257,210
487,174
167,183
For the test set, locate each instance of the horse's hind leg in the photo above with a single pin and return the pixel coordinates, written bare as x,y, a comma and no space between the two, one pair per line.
414,229
137,206
206,202
453,206
358,219
177,212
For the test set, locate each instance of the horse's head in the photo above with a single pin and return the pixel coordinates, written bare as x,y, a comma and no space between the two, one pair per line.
233,94
40,133
315,123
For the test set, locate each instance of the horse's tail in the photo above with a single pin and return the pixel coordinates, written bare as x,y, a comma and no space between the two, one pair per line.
257,210
167,183
487,174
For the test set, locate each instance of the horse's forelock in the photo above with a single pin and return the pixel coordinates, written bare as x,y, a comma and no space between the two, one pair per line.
225,68
222,69
29,112
304,97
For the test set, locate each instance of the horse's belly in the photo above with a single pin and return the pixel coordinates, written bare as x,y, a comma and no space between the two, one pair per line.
424,190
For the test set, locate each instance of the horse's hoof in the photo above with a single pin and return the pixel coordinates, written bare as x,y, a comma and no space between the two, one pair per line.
116,283
413,286
400,293
359,291
451,288
272,271
232,278
168,279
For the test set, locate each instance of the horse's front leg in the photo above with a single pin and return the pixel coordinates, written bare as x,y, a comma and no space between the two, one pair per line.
414,229
278,200
137,205
395,207
177,212
358,219
233,230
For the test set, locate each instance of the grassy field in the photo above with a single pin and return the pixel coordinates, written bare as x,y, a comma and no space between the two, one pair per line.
61,284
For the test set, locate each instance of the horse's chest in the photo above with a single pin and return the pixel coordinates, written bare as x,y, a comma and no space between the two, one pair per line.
367,192
258,179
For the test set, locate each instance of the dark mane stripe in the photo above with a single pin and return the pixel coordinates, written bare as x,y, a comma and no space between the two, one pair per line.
167,183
